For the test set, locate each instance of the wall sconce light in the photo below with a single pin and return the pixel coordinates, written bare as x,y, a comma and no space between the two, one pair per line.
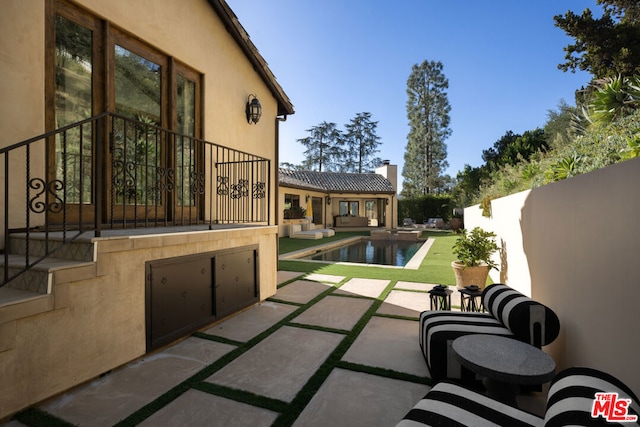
328,200
386,201
254,109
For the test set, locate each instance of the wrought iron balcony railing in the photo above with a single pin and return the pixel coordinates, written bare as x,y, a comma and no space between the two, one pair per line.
110,171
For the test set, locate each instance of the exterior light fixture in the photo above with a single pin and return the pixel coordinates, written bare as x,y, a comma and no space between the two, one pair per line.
328,200
254,109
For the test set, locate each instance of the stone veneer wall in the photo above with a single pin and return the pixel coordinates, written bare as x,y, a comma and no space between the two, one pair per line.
94,320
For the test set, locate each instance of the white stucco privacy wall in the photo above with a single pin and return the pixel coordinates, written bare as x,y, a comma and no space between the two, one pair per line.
573,245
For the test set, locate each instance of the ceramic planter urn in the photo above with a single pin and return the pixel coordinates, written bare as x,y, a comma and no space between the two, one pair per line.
467,276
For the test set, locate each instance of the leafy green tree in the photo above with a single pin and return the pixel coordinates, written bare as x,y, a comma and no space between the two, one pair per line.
512,148
361,144
428,113
605,46
468,183
559,128
530,143
493,156
324,147
291,166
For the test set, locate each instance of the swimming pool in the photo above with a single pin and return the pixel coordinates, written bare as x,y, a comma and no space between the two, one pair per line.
365,251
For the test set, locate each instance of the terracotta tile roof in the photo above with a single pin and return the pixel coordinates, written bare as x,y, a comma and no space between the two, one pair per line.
336,182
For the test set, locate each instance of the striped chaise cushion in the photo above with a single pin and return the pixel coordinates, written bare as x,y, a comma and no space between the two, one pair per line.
572,393
438,329
448,404
529,320
510,313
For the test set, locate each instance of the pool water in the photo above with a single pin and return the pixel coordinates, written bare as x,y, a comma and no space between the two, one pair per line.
381,252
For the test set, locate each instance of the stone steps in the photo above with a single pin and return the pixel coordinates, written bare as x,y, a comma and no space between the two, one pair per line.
38,279
70,261
81,249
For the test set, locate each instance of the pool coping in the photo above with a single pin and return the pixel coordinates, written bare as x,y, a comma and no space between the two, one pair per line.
412,264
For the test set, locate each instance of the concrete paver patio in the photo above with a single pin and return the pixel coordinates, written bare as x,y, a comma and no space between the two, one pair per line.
315,354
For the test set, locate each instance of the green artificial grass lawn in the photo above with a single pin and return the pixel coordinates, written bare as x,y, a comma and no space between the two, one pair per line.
435,268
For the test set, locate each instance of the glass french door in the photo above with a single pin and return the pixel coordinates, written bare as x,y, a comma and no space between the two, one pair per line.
152,164
154,173
189,189
71,180
137,153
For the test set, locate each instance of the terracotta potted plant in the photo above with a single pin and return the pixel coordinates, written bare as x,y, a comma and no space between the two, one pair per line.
474,250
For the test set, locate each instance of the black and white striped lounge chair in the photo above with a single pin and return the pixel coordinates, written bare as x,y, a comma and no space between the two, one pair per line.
510,313
569,402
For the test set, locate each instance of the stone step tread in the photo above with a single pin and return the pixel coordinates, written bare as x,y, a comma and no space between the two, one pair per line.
10,296
46,265
56,236
78,250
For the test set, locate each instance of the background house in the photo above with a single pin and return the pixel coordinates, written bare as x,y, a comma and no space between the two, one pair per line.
132,166
338,200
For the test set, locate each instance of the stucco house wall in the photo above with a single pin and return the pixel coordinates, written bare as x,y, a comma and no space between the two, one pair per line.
203,44
574,245
93,318
94,321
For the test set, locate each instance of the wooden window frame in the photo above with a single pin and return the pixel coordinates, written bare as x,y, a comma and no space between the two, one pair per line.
105,38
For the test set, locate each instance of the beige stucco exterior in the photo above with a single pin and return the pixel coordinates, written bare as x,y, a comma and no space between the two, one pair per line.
573,245
342,189
93,318
203,44
331,209
191,32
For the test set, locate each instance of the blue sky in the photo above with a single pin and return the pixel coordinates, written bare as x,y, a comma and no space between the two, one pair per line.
337,58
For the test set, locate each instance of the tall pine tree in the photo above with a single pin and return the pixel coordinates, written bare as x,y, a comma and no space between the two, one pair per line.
324,147
428,113
361,144
607,46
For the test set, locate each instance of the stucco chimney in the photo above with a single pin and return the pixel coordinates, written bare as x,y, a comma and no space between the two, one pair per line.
390,172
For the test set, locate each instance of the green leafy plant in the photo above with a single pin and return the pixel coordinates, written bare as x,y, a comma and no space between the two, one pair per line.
295,212
476,248
562,169
485,205
614,97
529,171
633,149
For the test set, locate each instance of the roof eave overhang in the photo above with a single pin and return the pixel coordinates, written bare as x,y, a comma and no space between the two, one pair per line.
303,187
233,26
360,192
325,190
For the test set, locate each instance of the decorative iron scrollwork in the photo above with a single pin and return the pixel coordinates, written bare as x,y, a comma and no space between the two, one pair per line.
52,188
259,190
240,189
123,179
223,185
165,179
197,182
